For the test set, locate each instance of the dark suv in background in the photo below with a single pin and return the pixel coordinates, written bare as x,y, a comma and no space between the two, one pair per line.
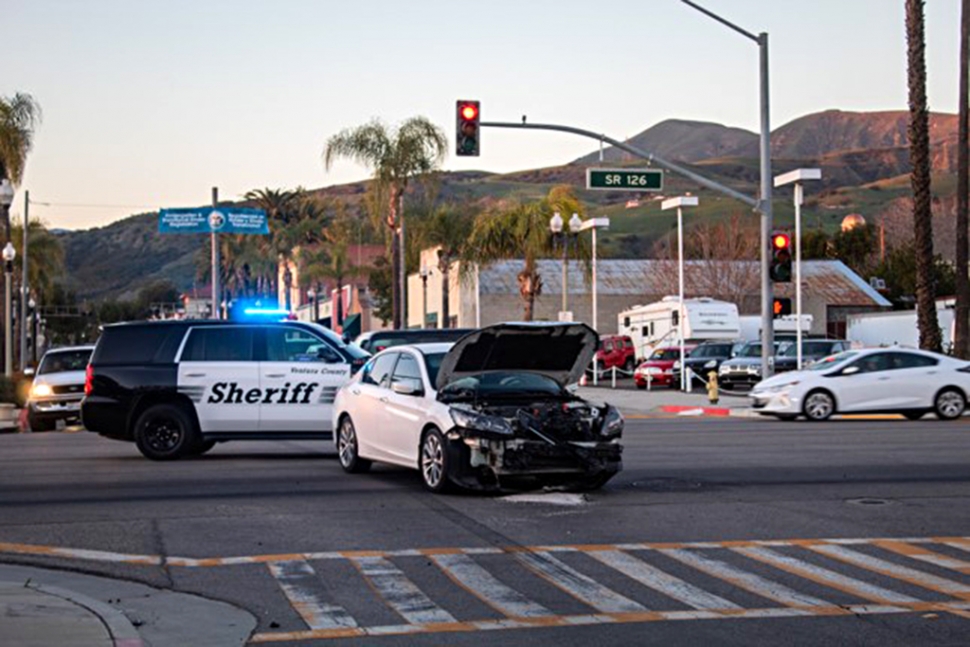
812,350
705,358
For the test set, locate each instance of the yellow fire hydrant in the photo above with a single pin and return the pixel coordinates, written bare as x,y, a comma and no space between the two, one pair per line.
712,387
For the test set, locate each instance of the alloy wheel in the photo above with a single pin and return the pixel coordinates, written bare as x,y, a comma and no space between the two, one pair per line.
347,443
819,406
432,460
950,404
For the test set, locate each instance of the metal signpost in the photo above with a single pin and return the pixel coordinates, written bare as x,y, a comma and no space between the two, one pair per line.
213,220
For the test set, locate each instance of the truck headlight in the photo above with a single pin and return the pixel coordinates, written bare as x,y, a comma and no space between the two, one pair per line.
40,391
478,422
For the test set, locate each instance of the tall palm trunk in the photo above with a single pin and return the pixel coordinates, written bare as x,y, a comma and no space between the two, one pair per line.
530,286
962,315
339,310
919,146
444,266
397,253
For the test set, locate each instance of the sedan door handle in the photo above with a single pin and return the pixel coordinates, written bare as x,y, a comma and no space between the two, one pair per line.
883,379
355,391
384,399
195,375
276,375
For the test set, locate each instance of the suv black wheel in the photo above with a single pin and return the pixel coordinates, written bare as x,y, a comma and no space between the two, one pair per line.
433,462
949,404
165,432
347,448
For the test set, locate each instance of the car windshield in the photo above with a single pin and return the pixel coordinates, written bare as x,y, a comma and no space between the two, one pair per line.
832,361
666,354
710,351
60,362
751,350
816,349
432,362
499,383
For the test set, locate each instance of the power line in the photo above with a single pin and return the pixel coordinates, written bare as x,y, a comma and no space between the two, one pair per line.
78,205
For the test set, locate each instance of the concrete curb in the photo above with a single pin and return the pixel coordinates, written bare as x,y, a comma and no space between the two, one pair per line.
123,633
721,412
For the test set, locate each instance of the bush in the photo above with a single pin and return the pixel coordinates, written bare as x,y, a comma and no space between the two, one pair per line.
14,389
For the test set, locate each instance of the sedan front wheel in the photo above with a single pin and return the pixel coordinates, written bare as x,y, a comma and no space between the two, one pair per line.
434,462
819,406
350,460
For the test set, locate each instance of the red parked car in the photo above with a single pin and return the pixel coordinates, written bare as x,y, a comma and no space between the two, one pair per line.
618,351
660,366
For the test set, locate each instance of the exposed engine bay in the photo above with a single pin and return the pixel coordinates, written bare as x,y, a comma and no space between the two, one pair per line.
570,438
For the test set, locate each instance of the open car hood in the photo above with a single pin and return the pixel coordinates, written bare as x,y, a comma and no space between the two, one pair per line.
561,351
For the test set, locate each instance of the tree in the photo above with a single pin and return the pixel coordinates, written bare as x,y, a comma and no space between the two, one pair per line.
414,149
919,146
961,333
46,261
448,228
522,231
329,261
19,116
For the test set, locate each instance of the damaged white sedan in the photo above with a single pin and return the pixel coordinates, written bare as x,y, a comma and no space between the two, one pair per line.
488,412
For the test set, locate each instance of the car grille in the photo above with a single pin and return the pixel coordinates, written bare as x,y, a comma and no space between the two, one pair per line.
67,389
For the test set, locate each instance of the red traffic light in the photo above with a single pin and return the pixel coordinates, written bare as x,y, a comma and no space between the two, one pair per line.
469,111
780,241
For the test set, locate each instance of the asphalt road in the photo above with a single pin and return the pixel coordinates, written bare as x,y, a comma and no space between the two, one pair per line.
702,538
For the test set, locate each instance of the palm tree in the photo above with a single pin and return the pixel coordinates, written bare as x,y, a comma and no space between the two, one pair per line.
328,261
396,156
448,228
919,146
19,115
46,257
961,333
284,211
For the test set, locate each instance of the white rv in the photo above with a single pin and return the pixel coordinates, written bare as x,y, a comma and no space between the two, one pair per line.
655,324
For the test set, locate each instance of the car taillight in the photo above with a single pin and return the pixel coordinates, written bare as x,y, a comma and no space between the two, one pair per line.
89,380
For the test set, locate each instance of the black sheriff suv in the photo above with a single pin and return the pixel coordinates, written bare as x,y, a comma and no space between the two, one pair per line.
176,388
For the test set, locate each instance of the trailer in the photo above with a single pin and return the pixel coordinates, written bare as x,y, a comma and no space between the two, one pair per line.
655,324
897,328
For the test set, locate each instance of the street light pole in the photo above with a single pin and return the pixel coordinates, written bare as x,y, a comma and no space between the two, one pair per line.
24,287
6,199
798,176
679,203
424,273
9,253
764,204
594,224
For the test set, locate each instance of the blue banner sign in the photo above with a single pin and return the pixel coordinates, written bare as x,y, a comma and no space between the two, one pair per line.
219,220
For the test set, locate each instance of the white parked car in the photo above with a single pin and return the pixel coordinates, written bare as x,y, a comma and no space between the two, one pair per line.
482,413
876,380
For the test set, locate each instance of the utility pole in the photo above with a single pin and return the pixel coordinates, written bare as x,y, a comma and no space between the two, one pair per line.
216,313
24,288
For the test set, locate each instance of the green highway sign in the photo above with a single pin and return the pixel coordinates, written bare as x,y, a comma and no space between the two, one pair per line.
625,179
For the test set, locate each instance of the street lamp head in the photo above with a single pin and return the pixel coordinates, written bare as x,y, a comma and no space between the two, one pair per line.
32,304
798,175
555,223
9,253
6,193
575,223
680,201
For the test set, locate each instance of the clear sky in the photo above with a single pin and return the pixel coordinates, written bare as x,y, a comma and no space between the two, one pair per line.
149,103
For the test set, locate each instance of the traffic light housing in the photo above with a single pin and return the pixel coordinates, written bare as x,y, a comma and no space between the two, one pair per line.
780,257
467,129
781,307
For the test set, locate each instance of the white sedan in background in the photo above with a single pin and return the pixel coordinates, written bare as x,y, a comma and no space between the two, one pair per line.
875,380
483,413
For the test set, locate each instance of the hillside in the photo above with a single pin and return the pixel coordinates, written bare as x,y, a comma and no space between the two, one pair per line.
863,156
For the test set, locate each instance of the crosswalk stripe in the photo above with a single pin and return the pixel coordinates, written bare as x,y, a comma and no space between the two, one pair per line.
924,555
296,579
656,579
581,587
468,574
749,581
400,593
824,576
904,573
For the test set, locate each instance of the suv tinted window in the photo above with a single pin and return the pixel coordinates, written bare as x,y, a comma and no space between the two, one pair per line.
378,370
139,344
295,345
219,344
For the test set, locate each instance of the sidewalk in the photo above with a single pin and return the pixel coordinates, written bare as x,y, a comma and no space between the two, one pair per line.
634,402
48,608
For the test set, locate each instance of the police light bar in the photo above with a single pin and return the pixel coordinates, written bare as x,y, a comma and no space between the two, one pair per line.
266,312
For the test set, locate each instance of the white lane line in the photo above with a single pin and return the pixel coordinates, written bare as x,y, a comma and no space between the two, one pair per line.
754,583
399,592
824,576
924,555
581,587
296,579
658,580
925,580
478,581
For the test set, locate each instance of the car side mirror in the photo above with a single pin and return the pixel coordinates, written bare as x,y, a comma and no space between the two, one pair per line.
406,388
850,370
